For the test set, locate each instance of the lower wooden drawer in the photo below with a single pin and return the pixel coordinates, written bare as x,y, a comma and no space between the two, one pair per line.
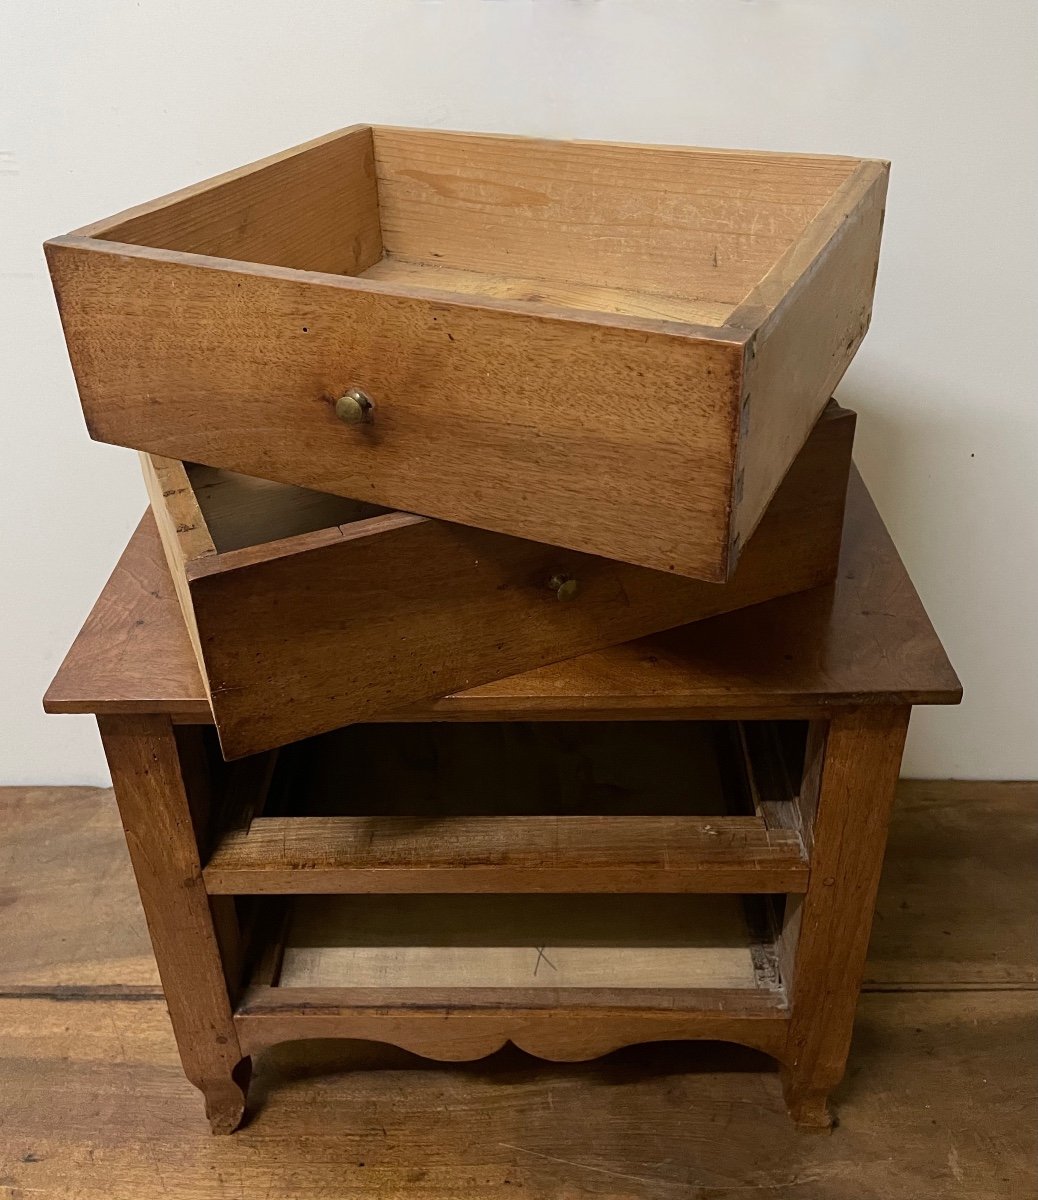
563,977
308,612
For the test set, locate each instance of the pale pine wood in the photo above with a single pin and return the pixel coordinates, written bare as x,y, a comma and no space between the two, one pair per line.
524,942
312,208
351,620
866,640
183,533
676,221
983,813
955,911
855,786
566,294
156,814
428,974
249,340
507,854
242,511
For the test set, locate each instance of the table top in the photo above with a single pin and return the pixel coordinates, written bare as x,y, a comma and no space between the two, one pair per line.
864,640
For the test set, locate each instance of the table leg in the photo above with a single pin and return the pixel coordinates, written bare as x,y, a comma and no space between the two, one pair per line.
848,794
156,816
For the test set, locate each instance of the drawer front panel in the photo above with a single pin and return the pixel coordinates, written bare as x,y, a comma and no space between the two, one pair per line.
365,623
585,434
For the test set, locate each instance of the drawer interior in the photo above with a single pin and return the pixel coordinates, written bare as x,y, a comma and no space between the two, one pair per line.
679,233
500,941
241,511
514,768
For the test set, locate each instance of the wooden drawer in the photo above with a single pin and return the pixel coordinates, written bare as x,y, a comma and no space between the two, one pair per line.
309,611
615,349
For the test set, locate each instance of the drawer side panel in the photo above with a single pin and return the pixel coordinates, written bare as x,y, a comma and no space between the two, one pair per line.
814,315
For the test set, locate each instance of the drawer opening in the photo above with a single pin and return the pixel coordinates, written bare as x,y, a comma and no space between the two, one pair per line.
566,977
522,942
679,233
526,768
588,807
241,511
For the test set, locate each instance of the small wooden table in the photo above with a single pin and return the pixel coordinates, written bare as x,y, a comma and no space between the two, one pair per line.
848,661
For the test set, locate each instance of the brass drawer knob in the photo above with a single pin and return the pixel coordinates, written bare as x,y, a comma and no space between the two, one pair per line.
355,407
565,587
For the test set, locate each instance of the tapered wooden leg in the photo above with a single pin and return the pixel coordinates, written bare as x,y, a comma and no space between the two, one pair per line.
850,778
162,839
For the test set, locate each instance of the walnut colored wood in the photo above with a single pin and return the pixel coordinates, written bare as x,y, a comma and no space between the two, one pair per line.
595,948
220,325
368,614
456,1030
852,658
865,640
153,804
507,854
831,923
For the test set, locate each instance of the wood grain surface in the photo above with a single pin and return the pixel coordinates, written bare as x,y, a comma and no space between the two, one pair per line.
513,807
938,1101
525,315
434,275
536,943
849,794
355,620
949,908
158,819
507,854
810,313
793,657
487,416
314,208
70,917
656,220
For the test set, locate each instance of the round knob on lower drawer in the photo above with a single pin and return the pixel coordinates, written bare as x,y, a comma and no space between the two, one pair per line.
355,407
565,587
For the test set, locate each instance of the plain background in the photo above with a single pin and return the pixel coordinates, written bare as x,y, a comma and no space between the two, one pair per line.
106,103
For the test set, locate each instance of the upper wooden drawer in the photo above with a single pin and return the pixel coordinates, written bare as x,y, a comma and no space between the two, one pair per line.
615,349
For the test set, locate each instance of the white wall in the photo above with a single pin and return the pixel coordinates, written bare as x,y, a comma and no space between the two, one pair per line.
109,102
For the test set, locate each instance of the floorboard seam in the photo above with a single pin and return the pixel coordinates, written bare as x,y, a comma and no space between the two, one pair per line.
85,994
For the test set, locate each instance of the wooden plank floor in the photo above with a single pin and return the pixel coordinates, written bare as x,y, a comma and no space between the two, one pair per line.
939,1100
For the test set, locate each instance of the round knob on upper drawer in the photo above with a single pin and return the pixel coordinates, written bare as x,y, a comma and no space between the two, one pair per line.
355,407
565,587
